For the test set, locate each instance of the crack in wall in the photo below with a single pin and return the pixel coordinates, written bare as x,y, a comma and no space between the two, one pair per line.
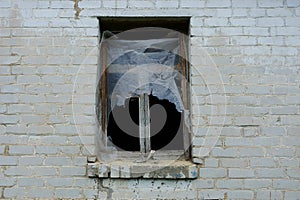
77,9
102,188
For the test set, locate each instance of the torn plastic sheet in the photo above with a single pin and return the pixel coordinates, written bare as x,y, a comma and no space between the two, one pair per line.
138,67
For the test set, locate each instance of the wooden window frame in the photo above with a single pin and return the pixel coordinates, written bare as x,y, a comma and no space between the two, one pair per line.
144,131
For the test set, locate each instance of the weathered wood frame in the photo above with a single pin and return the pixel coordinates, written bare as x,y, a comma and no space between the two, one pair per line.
144,116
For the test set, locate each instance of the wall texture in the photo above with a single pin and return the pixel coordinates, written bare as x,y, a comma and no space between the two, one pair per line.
249,92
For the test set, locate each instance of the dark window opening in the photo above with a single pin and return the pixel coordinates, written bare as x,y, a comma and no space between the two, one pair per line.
117,131
166,131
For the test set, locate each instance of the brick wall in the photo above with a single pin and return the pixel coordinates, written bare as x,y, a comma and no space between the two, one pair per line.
245,99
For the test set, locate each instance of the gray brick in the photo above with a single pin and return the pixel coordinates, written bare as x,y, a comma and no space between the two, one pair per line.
9,98
286,184
273,131
61,182
40,193
47,150
203,184
241,173
218,4
73,171
282,152
7,182
25,182
294,173
58,161
229,184
250,152
213,173
269,3
257,184
290,195
67,193
291,141
44,171
30,160
240,194
9,119
234,162
18,171
270,173
244,4
14,192
262,162
228,152
21,150
8,160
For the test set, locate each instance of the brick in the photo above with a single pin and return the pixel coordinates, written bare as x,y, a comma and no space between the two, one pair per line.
21,150
18,171
229,184
257,184
173,4
19,108
244,4
232,141
289,162
58,161
73,171
292,3
241,173
216,22
212,173
9,98
192,4
203,184
286,184
228,152
7,79
7,182
47,150
270,173
40,193
273,131
9,119
262,162
269,3
67,193
14,192
30,161
61,182
234,162
141,4
25,182
273,21
211,194
44,171
240,194
292,195
242,22
218,3
266,141
282,152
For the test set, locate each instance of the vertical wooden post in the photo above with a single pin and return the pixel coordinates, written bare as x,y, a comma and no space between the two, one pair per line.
103,92
183,65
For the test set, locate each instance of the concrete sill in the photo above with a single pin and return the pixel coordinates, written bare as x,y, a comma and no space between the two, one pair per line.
157,169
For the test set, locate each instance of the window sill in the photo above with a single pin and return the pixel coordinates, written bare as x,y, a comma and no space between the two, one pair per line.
154,169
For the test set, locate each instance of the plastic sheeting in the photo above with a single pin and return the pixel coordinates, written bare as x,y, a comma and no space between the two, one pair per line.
136,67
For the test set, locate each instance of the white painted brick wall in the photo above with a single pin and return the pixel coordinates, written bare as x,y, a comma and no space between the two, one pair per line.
255,46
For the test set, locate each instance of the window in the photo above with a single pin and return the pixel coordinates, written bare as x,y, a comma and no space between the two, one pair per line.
142,94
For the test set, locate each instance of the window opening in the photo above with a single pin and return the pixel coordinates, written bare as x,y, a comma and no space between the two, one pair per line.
141,113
